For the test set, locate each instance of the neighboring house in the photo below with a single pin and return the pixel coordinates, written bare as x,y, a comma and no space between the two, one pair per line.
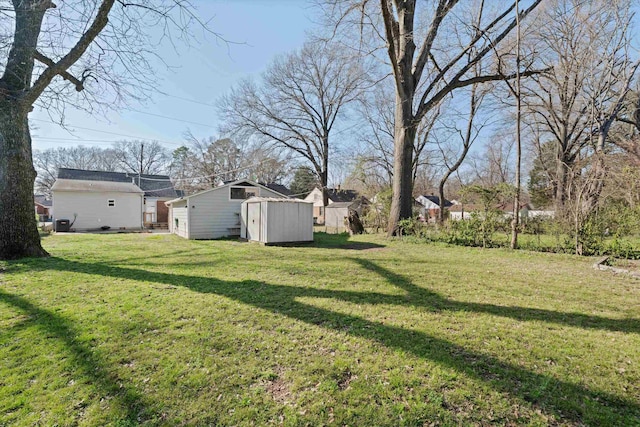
507,209
429,207
43,207
214,213
336,214
336,195
465,211
112,199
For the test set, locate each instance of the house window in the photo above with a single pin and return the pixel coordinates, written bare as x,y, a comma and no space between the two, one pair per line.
111,203
241,193
321,210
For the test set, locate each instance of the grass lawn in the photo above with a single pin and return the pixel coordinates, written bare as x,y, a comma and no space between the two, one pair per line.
145,329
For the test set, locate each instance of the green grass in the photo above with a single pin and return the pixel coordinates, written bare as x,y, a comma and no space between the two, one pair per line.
146,329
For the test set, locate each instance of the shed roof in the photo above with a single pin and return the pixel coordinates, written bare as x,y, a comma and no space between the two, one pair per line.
275,199
95,186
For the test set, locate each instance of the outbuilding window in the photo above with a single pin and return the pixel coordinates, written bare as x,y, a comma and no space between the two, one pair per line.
242,193
111,203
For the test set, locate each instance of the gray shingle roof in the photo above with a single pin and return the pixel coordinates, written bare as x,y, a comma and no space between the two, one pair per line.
152,185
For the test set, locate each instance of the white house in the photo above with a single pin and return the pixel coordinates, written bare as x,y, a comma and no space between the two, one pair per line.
98,199
214,213
98,204
276,220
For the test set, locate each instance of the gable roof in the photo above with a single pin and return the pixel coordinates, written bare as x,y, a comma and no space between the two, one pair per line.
338,195
434,199
278,188
42,200
86,185
240,182
152,185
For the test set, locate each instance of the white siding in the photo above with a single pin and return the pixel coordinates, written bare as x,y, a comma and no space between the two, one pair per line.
93,211
287,222
335,217
179,219
213,214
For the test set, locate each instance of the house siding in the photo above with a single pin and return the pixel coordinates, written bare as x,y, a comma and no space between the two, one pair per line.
214,215
93,211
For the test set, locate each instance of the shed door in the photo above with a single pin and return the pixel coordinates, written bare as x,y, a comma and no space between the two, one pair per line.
253,221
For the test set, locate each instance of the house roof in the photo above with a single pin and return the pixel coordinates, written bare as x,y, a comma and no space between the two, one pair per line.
241,182
42,200
338,195
435,200
152,185
95,186
279,188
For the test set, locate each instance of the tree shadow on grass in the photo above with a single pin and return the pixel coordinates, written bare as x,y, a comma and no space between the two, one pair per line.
562,399
129,402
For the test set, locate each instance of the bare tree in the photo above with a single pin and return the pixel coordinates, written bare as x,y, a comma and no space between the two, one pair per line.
47,162
141,157
586,46
86,52
428,48
300,100
453,158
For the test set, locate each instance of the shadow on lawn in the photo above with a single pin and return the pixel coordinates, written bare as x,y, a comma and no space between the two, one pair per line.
563,399
130,402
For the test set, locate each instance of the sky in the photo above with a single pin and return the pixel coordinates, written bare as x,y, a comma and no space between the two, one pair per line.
258,31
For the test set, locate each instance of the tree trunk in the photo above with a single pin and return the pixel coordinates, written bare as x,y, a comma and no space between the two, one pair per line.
404,139
18,227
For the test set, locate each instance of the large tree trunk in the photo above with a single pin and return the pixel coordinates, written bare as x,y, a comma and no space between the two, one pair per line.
18,227
405,135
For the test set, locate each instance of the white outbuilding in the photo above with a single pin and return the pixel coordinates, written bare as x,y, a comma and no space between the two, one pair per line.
214,213
276,220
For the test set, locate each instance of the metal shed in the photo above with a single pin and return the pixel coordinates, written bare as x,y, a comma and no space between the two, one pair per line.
273,220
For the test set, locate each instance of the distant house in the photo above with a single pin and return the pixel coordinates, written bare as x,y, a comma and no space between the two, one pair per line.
429,206
43,207
214,213
507,209
116,200
465,211
336,195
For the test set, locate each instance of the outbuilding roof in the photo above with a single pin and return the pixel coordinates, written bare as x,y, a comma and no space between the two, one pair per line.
240,182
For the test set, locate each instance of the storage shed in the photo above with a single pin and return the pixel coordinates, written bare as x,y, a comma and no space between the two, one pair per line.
275,220
213,213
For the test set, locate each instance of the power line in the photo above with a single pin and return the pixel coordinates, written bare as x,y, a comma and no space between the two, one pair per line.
169,118
109,133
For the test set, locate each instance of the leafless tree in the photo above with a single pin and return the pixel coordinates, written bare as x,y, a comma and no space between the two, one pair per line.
585,44
141,157
298,103
47,162
88,53
427,44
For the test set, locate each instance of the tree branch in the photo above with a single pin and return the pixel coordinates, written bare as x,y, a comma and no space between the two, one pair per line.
60,67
